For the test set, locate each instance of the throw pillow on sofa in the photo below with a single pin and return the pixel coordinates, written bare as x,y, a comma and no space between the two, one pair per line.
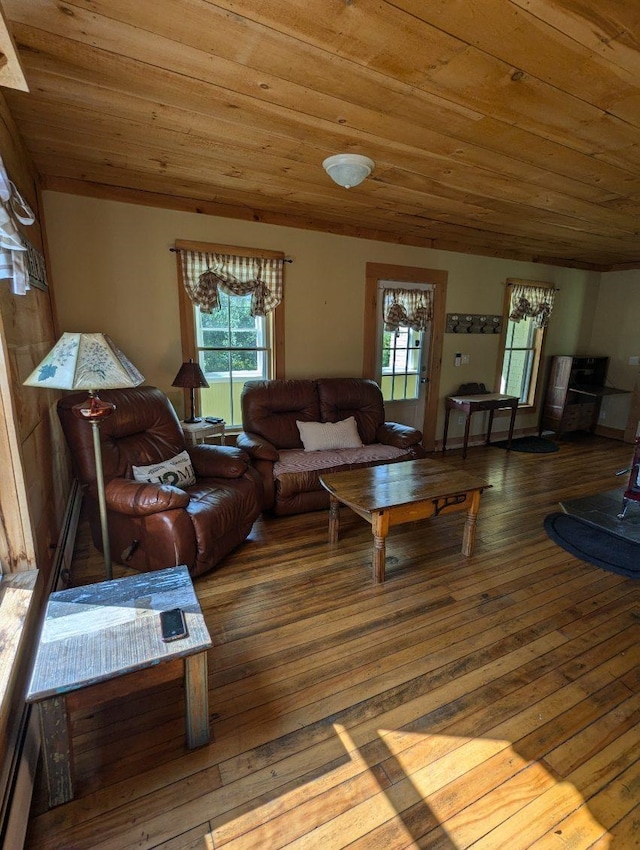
320,436
177,470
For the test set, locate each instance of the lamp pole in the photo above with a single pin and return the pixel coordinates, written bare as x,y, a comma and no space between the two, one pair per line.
102,502
94,410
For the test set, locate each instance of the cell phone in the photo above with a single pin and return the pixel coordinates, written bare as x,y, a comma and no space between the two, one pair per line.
173,624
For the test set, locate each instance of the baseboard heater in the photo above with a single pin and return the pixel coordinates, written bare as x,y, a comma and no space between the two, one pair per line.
17,789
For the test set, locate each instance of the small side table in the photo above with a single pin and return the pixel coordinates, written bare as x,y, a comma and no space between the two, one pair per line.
101,631
469,404
200,432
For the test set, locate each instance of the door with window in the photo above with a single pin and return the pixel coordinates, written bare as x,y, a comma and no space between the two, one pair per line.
404,358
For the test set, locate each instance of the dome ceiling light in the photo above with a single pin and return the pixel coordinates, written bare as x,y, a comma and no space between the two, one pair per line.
348,169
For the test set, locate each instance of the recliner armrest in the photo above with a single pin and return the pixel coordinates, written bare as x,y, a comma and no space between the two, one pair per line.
257,447
395,434
218,461
126,496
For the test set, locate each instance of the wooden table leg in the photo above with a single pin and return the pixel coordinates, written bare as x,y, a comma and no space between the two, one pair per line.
514,410
380,529
489,427
334,518
469,534
467,423
196,700
57,755
446,429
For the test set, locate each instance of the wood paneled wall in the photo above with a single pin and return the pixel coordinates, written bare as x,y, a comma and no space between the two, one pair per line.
34,487
33,496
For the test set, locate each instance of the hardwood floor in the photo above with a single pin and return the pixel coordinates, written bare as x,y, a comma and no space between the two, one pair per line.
485,702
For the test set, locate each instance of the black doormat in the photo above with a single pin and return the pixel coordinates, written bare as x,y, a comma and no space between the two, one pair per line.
532,445
594,545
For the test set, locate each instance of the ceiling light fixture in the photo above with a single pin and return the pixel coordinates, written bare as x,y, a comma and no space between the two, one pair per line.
348,169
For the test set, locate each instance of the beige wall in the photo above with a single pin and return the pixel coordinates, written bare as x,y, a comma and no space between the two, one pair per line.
615,333
113,272
615,328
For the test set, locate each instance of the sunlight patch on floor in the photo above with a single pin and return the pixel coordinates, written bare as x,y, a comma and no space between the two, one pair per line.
481,789
473,791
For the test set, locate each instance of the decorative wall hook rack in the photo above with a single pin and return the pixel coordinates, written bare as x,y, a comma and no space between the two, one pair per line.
473,323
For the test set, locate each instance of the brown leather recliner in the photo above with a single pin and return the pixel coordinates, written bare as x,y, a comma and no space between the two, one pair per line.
152,526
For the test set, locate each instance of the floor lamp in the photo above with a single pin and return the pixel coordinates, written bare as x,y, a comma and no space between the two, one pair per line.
89,362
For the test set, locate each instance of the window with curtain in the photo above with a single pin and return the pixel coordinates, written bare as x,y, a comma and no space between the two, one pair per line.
228,320
528,306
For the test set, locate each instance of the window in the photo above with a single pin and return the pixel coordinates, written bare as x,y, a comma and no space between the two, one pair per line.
401,358
232,347
232,321
528,305
521,355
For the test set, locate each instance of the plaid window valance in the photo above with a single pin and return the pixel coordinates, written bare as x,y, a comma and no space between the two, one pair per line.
204,274
529,300
407,308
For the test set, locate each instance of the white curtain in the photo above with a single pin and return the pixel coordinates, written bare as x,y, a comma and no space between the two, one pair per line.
13,250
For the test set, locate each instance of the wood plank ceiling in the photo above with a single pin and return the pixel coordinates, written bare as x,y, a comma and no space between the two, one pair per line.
506,128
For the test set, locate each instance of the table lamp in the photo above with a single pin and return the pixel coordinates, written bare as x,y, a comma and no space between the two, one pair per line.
190,376
89,362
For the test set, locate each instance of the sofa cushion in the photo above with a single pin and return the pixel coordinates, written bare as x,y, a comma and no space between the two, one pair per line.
297,471
176,470
357,397
318,436
271,409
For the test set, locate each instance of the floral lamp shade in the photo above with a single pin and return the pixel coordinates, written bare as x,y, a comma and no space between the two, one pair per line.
80,361
90,362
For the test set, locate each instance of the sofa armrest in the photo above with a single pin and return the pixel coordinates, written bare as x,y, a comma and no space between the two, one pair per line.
125,496
218,461
257,447
401,436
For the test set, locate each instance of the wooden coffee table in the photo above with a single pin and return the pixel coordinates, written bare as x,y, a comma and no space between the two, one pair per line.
98,632
395,493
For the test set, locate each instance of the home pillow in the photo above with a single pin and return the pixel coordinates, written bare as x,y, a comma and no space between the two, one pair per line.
317,436
177,470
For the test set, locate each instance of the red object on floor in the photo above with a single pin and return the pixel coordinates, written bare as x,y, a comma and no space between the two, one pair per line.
632,493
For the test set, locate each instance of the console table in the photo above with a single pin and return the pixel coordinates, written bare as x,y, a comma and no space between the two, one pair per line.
470,404
95,633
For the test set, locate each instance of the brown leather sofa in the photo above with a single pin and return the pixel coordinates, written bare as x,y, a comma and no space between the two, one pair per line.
270,436
152,526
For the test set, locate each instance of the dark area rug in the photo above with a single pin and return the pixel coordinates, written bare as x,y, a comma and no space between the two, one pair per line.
533,445
603,509
594,545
